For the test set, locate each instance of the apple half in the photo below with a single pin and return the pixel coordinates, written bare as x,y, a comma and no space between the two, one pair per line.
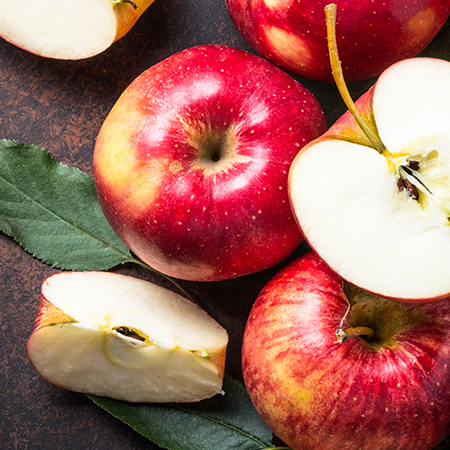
380,217
121,337
68,29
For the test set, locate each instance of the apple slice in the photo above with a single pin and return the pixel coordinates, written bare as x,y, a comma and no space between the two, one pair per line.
68,29
381,217
121,337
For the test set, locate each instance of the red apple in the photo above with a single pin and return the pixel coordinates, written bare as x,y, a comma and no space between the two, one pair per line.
391,391
191,164
371,35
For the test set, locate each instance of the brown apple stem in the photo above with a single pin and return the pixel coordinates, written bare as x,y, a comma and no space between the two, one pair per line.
344,334
336,67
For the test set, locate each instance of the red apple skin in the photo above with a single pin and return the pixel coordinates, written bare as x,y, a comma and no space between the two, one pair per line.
371,35
315,393
158,181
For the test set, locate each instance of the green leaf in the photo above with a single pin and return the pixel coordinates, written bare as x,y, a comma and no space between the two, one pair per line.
220,423
52,211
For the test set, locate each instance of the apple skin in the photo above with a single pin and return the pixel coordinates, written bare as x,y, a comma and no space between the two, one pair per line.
127,17
370,35
314,392
191,164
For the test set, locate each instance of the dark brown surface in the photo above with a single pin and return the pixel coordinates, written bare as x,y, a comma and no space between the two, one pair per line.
60,106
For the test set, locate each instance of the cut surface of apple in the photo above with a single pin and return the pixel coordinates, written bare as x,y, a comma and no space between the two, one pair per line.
381,219
69,29
118,336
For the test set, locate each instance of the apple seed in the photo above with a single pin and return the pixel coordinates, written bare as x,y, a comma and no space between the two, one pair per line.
125,331
404,185
414,164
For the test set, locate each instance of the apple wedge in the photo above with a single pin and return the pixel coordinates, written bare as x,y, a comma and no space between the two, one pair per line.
121,337
68,29
379,214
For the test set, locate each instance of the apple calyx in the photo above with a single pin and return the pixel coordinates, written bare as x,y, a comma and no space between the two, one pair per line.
216,150
118,2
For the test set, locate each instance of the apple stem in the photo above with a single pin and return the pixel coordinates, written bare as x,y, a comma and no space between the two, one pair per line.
336,67
344,334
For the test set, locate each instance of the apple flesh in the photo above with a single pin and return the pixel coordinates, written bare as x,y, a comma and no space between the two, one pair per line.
380,218
191,164
387,392
371,35
68,29
117,336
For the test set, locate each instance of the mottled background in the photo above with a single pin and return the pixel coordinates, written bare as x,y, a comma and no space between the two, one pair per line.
60,106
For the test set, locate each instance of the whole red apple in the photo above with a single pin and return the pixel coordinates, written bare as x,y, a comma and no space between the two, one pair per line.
191,164
371,35
389,391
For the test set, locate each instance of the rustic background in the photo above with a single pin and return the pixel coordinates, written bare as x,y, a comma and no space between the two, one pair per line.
60,106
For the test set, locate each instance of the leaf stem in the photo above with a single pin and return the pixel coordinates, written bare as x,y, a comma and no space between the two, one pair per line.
277,448
167,277
336,67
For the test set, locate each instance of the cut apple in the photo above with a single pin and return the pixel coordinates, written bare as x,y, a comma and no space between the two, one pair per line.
121,337
381,217
68,29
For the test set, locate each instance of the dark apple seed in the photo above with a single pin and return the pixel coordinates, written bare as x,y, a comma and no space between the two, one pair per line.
412,191
129,333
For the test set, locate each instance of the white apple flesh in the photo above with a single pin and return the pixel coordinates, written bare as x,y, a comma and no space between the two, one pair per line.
121,337
380,219
68,29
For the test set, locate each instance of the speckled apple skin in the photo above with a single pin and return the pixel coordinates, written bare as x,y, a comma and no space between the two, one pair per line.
371,35
315,393
182,213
